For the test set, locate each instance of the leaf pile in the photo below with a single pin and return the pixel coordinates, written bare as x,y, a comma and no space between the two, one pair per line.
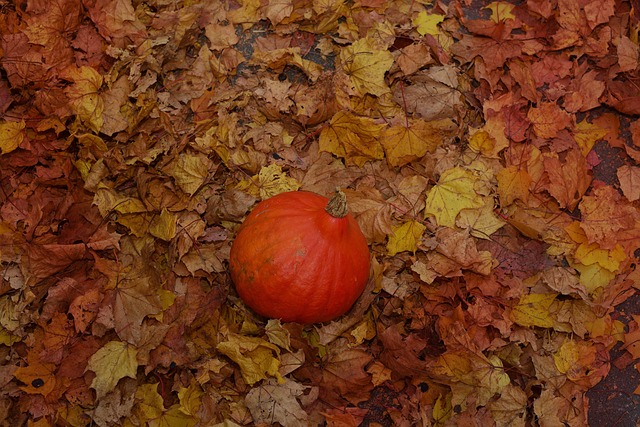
137,135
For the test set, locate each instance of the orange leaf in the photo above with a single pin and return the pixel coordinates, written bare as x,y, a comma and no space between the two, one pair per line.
548,119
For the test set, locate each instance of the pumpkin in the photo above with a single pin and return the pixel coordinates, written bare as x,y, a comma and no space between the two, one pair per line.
300,257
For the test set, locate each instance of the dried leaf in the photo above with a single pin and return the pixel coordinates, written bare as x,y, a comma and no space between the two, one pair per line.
114,361
453,192
366,65
254,356
405,237
11,136
275,402
354,138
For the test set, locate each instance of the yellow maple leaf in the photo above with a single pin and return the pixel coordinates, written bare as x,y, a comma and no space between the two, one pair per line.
534,310
84,95
164,226
405,143
500,11
405,237
427,23
114,361
442,409
211,141
496,128
482,222
107,199
575,359
352,137
254,356
588,254
587,134
271,180
366,66
190,171
453,192
593,276
513,183
11,136
190,398
247,14
149,403
482,142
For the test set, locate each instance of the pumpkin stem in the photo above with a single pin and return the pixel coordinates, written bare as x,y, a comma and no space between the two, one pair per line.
337,206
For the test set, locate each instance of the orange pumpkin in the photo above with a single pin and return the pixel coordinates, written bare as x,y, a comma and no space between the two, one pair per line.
299,257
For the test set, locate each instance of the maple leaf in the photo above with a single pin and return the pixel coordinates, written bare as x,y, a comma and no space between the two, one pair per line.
587,134
190,398
46,260
576,359
366,65
271,180
38,377
131,303
114,361
190,171
500,11
513,183
116,20
278,10
568,181
254,356
510,408
344,375
548,119
629,178
604,215
11,136
433,93
150,410
115,101
274,402
453,192
164,226
427,23
534,310
405,237
405,143
354,138
84,95
599,12
371,211
84,309
584,93
482,222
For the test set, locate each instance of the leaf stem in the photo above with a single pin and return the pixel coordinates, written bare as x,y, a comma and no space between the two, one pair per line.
337,206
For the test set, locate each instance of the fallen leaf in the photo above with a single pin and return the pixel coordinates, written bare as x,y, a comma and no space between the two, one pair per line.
84,95
427,23
404,143
254,356
275,402
354,138
453,192
629,178
271,180
534,310
548,119
114,361
366,65
405,237
11,136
